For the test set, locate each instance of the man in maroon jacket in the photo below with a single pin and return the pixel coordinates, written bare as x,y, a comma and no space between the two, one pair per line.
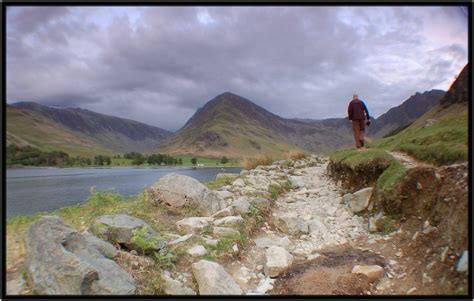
359,115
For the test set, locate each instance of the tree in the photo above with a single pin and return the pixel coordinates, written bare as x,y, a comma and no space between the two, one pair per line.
224,160
108,161
194,161
180,161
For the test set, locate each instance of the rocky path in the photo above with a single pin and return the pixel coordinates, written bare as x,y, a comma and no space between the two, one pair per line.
311,217
407,161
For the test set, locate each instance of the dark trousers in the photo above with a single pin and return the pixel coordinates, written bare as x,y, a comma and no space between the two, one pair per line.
358,126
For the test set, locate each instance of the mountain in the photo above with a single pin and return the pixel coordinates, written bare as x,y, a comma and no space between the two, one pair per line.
404,114
78,131
440,136
234,126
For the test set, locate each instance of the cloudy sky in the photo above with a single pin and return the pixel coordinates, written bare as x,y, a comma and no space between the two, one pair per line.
159,64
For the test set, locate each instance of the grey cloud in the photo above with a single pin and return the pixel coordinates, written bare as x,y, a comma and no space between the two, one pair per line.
294,61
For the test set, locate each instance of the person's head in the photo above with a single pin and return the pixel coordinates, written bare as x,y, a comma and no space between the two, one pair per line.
355,96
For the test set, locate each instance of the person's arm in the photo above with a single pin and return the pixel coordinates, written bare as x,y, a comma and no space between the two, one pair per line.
349,111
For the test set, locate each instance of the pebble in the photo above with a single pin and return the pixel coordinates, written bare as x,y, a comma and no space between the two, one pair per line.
412,290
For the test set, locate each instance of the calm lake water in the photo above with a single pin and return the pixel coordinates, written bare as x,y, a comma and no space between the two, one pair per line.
32,190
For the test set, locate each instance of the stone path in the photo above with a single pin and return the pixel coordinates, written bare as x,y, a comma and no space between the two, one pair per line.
407,161
310,217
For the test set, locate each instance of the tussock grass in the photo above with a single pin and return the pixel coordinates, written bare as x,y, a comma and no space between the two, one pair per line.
294,154
216,184
251,163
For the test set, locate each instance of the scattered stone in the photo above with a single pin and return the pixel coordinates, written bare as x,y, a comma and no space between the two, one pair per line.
360,200
210,241
229,221
259,267
225,194
179,190
444,254
228,211
419,186
416,235
60,261
121,228
175,287
373,272
340,200
426,279
264,285
462,263
277,260
241,205
181,239
347,198
193,224
238,183
197,250
223,231
212,279
296,182
376,223
411,291
290,224
313,256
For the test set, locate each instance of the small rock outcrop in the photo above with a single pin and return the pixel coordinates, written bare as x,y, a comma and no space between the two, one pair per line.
212,279
289,223
61,261
229,221
174,287
178,190
359,201
121,229
277,261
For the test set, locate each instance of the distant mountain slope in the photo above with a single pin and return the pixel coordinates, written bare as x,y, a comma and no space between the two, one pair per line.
412,108
440,136
234,126
106,133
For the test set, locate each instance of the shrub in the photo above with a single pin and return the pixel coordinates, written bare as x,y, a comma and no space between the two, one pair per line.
294,154
143,241
251,163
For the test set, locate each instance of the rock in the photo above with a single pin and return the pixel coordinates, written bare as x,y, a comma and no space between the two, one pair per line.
238,183
193,224
179,190
174,287
317,227
181,239
225,194
121,228
229,221
259,200
264,285
277,261
223,231
296,182
15,286
197,250
347,198
241,205
244,172
212,279
235,248
373,272
210,241
61,261
360,200
340,200
411,291
104,247
376,223
266,241
228,211
463,262
426,279
290,224
226,175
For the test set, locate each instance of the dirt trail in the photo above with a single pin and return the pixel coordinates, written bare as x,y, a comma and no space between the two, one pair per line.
407,160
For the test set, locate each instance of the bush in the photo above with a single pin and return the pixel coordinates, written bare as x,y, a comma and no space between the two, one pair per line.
294,154
251,163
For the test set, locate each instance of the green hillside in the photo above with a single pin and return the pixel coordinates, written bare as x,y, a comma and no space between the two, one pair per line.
29,128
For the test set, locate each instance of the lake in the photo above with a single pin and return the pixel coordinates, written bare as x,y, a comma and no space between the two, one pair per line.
32,190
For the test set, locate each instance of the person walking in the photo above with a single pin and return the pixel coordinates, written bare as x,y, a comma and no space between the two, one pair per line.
359,115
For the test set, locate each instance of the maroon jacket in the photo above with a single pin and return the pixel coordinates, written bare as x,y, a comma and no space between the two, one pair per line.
357,110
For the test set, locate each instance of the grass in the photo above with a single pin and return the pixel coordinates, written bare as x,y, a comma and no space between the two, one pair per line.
218,183
391,176
294,154
441,143
251,163
354,157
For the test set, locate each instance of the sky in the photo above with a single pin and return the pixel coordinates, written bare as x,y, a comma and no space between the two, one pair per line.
159,64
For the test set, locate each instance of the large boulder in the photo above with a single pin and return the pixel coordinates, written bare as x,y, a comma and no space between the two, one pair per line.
359,201
123,229
212,279
61,261
277,261
178,190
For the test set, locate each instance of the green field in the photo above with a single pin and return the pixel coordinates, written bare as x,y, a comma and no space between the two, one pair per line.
208,162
